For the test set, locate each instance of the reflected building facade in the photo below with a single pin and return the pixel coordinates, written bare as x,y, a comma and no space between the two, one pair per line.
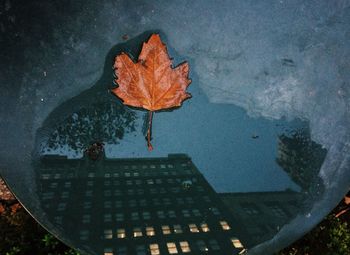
262,214
137,206
300,157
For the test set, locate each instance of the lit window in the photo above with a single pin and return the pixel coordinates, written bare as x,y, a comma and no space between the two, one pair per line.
108,251
193,228
91,175
162,166
107,175
127,174
172,248
236,243
201,245
153,166
137,232
108,234
150,181
178,229
204,227
166,230
45,176
170,166
150,231
185,247
136,174
146,215
121,233
224,225
154,248
214,245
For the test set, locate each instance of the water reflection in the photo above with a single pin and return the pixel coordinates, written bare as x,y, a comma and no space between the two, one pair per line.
137,206
101,121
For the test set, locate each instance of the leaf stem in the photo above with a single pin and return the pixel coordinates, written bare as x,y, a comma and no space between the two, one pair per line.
149,131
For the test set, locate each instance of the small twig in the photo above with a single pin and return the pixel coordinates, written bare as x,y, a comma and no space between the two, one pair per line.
149,131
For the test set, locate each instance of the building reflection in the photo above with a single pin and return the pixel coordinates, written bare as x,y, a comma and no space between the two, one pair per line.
138,206
301,158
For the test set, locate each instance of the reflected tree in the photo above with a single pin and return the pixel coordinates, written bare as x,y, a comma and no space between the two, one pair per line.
105,122
300,157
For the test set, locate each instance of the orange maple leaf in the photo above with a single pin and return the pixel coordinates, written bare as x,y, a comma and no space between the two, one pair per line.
151,83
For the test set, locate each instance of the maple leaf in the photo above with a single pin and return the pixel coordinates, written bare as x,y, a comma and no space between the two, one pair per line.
151,83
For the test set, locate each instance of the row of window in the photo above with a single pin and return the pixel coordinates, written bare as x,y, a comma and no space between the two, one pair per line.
141,181
175,247
165,230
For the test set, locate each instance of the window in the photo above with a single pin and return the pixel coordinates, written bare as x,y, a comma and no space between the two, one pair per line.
143,202
107,193
172,248
214,245
91,175
161,214
138,182
107,217
121,233
61,206
196,212
153,191
154,248
108,234
84,235
162,166
107,175
140,250
193,228
186,213
86,218
88,193
137,232
116,183
150,231
162,190
185,247
118,204
127,174
189,200
180,200
166,201
166,230
172,214
159,181
155,201
140,191
108,251
135,216
224,225
107,183
115,175
58,219
129,182
277,211
130,192
67,184
87,205
204,227
117,192
215,211
119,217
250,208
146,215
150,181
178,229
132,203
206,199
236,243
121,251
53,185
201,245
107,204
170,180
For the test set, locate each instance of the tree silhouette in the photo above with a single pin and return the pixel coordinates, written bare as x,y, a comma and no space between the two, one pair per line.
105,122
